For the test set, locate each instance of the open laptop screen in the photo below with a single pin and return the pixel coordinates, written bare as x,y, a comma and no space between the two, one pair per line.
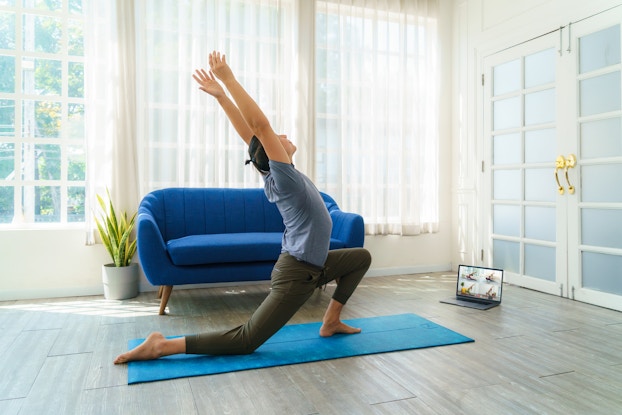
479,283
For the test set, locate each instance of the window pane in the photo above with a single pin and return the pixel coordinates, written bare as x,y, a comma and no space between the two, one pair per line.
601,272
76,80
507,149
601,227
540,107
7,161
601,138
75,6
76,159
540,185
47,204
42,33
7,28
41,76
506,220
540,68
75,121
7,74
507,185
6,204
7,118
600,94
506,255
75,38
40,162
601,183
507,113
506,77
540,262
48,161
41,119
540,145
75,204
600,49
540,223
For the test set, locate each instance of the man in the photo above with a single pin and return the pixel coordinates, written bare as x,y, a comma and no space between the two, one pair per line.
305,262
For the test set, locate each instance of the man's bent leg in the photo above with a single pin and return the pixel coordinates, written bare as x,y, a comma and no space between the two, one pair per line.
347,267
293,282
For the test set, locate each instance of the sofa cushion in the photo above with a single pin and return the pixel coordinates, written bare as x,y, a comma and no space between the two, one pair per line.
229,247
225,247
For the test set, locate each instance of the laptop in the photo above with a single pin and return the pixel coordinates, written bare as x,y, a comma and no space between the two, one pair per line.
477,287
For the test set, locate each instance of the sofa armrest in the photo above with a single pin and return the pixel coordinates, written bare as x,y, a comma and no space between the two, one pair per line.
152,253
349,228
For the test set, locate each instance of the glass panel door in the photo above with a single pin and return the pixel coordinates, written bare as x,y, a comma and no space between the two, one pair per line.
595,214
521,148
552,186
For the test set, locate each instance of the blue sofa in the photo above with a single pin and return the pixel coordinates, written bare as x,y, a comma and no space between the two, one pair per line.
209,235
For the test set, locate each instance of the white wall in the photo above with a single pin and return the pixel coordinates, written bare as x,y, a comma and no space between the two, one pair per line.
57,263
49,263
481,28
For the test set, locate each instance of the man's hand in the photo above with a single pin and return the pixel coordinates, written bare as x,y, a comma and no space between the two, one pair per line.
208,83
218,66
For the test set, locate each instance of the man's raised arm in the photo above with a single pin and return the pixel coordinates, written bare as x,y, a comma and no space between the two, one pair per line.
211,86
254,116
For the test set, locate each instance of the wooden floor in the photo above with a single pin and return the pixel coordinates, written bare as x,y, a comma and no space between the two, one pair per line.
534,354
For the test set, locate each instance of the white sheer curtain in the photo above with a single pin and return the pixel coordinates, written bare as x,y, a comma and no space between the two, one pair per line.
377,93
110,106
185,139
354,83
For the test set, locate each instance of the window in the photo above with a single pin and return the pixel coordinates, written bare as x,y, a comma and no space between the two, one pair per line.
186,139
377,113
42,149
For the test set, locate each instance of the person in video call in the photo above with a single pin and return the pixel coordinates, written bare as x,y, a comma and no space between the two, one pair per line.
305,262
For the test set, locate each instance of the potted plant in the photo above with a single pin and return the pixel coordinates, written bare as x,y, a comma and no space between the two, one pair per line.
120,277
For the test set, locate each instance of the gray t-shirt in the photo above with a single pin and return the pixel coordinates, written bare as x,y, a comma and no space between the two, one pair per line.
307,222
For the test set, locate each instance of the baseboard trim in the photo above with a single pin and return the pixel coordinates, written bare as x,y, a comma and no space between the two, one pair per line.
419,269
42,293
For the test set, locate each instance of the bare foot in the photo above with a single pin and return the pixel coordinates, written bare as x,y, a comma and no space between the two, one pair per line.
150,349
328,329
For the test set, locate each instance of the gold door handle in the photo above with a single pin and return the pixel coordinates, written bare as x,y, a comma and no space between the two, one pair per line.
571,161
560,163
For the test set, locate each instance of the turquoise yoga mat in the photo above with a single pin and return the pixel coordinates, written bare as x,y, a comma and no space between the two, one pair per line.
301,343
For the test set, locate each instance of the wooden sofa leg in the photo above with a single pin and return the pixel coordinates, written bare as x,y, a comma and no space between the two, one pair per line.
165,291
160,291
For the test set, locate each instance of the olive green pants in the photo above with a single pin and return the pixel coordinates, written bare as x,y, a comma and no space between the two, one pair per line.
292,283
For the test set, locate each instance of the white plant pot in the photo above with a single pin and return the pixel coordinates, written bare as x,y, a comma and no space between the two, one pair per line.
120,283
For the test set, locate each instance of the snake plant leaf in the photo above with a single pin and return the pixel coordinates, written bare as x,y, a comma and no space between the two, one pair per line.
115,232
131,250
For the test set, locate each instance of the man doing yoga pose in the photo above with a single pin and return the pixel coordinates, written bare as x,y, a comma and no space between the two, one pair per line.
305,262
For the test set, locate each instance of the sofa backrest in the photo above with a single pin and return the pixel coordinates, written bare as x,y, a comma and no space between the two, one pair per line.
181,212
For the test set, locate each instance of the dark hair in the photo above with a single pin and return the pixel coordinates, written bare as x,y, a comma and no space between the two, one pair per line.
258,156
